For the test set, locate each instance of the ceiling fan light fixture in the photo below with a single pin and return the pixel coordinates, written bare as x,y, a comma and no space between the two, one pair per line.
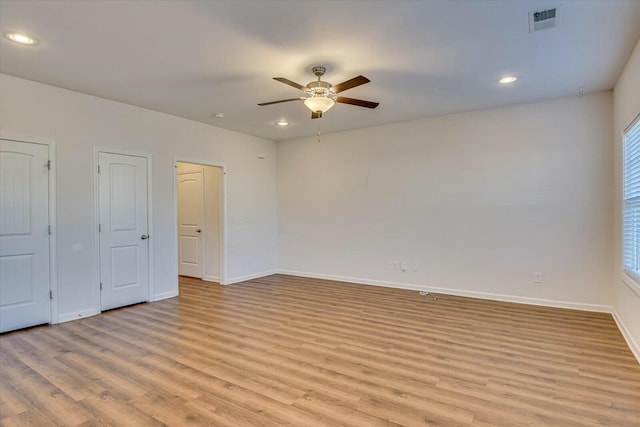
319,103
321,95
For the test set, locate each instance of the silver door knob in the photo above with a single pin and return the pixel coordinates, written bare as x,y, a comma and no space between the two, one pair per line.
198,231
144,236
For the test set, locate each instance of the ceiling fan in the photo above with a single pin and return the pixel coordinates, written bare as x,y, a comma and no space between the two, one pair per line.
322,95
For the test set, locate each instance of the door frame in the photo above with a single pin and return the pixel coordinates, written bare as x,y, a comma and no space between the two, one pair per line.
53,259
222,244
96,219
203,228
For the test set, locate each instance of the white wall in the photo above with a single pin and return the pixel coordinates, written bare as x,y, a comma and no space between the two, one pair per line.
478,201
78,123
212,204
626,106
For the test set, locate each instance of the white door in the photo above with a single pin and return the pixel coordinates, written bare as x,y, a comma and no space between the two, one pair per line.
190,216
124,239
24,235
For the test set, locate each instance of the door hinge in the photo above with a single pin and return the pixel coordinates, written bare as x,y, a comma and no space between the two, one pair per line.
49,164
50,294
98,168
100,285
99,228
49,230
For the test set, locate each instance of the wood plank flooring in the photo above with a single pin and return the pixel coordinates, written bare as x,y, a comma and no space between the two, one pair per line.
285,350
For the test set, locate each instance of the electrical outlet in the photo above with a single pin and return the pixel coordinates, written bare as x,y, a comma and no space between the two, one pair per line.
537,277
414,266
403,265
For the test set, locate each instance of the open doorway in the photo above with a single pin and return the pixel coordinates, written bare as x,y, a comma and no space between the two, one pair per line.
200,221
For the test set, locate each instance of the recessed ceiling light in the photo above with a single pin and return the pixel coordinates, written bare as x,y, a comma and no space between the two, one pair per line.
282,123
507,79
220,116
21,38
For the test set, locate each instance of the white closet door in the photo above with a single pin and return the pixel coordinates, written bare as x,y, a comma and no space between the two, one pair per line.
24,235
190,223
124,240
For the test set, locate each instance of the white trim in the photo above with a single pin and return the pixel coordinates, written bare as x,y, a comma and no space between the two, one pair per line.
54,315
222,279
450,291
211,278
96,219
150,230
67,317
164,295
252,276
203,229
633,345
224,255
53,259
12,136
629,280
627,277
96,233
631,124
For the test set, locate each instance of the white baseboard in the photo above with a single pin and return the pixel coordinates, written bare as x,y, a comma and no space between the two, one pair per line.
449,291
633,345
211,279
164,295
250,277
67,317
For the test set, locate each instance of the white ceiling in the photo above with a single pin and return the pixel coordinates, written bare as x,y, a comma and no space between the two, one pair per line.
194,59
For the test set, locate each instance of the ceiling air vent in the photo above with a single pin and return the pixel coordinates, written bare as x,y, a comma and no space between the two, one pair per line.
543,19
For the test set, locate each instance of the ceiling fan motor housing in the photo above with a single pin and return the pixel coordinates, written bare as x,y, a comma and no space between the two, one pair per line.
320,88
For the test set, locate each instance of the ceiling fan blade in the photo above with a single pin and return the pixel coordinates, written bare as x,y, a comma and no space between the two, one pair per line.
316,114
290,83
282,100
358,102
356,81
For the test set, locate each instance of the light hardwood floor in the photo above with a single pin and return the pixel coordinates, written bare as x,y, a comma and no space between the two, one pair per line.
284,350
